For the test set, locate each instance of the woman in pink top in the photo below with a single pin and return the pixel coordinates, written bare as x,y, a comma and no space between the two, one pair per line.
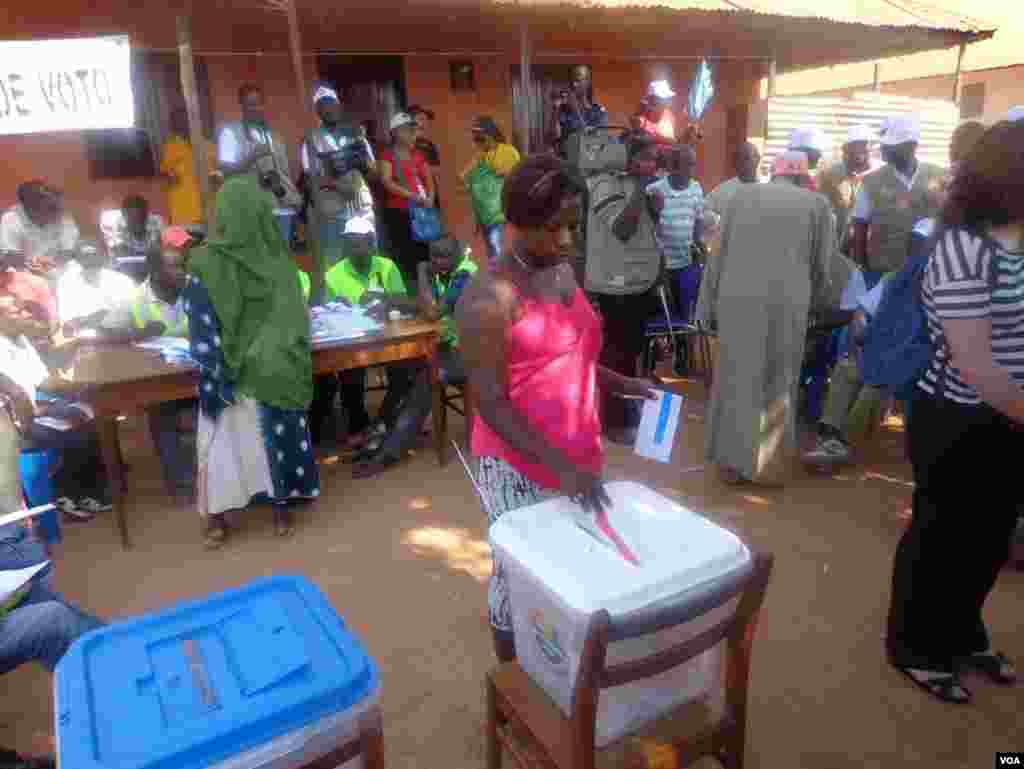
531,343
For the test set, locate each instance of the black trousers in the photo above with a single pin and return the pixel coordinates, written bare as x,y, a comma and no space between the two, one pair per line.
624,321
351,385
405,252
965,460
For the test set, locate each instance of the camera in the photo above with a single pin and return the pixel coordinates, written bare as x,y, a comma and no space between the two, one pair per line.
343,151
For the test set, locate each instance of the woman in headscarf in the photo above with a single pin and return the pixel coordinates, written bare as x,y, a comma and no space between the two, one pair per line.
249,331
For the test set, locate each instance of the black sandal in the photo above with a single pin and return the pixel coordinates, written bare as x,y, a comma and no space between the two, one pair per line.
942,686
995,665
371,464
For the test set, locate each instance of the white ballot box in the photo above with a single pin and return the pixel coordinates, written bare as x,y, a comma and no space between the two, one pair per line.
559,575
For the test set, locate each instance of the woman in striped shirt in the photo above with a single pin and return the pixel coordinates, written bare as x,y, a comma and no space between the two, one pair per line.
965,433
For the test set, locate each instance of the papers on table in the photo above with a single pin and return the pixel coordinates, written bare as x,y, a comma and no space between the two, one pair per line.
165,343
15,582
173,349
658,424
337,322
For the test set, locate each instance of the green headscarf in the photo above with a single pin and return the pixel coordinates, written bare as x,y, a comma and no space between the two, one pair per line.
250,278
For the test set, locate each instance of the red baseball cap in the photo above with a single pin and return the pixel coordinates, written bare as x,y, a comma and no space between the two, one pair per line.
175,237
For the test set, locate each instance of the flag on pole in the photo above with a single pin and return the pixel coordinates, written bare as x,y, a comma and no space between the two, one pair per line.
701,92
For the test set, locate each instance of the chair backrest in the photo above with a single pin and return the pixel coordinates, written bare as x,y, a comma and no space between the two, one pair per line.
737,629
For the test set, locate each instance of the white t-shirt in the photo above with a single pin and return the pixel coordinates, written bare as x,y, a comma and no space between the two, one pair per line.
19,233
78,298
20,361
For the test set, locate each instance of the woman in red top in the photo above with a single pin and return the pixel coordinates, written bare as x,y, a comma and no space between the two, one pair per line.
531,342
406,177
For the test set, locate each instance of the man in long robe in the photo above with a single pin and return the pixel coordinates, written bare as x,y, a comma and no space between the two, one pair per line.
773,272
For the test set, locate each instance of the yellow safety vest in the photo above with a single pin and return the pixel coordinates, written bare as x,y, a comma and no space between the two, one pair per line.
144,312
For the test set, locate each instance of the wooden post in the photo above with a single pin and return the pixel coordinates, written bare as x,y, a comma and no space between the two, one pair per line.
958,74
302,91
876,83
526,82
295,41
200,159
772,75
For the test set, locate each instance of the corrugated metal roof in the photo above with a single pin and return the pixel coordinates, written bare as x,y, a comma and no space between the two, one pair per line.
835,116
872,13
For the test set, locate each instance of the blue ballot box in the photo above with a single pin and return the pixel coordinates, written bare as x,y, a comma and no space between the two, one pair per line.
265,676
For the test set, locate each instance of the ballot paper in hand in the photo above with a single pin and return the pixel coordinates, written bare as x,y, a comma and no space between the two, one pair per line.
14,582
658,424
599,526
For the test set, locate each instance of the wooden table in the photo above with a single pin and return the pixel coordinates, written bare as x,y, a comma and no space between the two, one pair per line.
115,379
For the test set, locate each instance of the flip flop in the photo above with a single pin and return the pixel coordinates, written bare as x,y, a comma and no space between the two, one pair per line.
946,687
993,664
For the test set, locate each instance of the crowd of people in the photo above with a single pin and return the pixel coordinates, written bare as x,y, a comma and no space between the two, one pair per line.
797,278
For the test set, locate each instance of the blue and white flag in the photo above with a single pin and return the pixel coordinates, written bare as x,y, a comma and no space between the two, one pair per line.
701,92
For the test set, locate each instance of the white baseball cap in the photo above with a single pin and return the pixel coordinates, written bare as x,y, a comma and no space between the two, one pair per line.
402,119
360,225
808,137
1015,113
900,129
660,89
860,133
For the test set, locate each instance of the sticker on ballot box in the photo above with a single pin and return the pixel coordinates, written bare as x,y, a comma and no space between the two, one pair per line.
658,424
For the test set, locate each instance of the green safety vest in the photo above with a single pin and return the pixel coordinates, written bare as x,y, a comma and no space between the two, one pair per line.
144,312
449,333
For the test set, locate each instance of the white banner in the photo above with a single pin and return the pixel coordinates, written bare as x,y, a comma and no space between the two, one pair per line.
65,85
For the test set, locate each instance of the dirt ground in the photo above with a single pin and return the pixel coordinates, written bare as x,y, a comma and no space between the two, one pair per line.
404,560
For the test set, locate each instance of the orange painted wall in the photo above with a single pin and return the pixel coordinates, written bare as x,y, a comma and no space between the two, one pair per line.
60,158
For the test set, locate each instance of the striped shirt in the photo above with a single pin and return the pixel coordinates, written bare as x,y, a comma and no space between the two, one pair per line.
959,284
675,227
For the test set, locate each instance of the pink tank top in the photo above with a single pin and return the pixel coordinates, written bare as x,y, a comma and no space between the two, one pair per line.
551,354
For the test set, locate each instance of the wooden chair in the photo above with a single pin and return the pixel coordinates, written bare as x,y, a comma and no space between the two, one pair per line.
517,706
368,743
458,398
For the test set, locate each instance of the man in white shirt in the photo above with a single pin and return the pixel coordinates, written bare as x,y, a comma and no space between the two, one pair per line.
250,145
130,232
39,229
156,308
89,289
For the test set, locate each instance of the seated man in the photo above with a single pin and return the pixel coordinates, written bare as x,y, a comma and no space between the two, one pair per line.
89,290
441,283
366,278
29,341
36,624
129,233
38,230
155,309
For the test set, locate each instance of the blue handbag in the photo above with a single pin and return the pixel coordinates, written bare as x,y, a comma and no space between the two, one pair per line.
425,223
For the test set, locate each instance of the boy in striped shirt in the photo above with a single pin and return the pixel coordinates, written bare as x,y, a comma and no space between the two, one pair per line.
678,202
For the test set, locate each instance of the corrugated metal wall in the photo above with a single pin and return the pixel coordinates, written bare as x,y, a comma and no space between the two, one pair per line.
772,120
